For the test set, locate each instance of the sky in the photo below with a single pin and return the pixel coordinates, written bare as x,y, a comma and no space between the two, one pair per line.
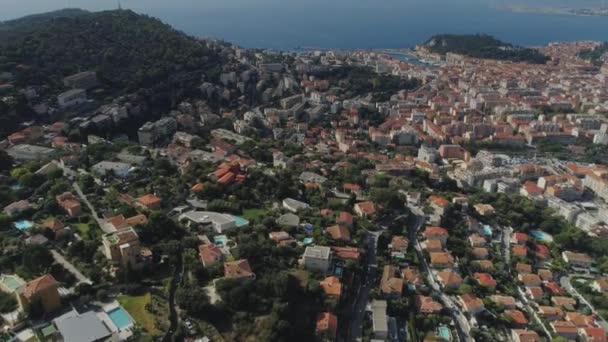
11,9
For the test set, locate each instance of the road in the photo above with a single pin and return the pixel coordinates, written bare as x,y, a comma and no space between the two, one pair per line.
566,283
70,268
532,312
506,241
367,284
108,229
462,323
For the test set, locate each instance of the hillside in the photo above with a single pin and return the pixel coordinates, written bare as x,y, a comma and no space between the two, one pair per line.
483,46
597,55
126,49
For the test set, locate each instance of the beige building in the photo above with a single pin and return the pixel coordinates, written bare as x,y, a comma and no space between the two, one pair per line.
122,247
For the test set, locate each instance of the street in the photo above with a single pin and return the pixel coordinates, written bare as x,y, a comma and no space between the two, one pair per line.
461,321
108,229
367,284
566,283
70,268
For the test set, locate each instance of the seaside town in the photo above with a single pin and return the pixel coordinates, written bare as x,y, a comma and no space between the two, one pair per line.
319,195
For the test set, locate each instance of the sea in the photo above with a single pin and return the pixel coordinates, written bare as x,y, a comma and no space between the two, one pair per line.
403,26
351,24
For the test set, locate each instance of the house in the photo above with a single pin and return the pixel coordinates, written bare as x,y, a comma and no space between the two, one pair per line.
380,327
210,254
122,246
565,303
282,238
523,268
507,302
365,209
449,279
399,244
106,168
551,313
517,318
220,223
580,320
436,233
485,279
519,251
480,253
338,233
553,288
470,303
529,279
238,270
439,204
600,285
317,258
411,277
53,224
592,334
475,240
345,219
346,253
427,305
577,259
149,201
332,287
433,245
82,327
535,293
42,293
327,326
391,285
484,209
519,238
520,335
69,203
565,329
442,260
18,207
294,205
542,252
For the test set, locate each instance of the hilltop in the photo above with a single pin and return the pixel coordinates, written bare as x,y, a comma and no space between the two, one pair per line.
597,55
482,46
127,50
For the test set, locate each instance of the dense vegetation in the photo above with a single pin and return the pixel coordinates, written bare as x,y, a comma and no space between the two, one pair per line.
595,55
126,49
362,81
483,46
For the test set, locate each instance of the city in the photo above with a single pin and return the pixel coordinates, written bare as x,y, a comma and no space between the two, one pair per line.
202,191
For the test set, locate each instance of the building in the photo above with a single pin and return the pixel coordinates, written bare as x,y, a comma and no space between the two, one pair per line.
81,327
106,168
82,80
210,254
69,203
427,305
379,319
122,247
317,258
327,326
365,209
521,335
577,259
16,208
332,287
294,205
26,152
40,294
239,270
391,284
71,98
212,220
150,202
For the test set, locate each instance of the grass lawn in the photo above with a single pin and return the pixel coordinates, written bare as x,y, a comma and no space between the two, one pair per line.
82,229
136,306
254,214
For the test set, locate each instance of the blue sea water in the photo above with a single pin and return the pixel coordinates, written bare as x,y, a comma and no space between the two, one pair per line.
372,25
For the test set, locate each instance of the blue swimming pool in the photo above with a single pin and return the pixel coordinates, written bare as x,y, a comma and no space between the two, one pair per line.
239,221
120,318
487,230
542,236
220,240
23,224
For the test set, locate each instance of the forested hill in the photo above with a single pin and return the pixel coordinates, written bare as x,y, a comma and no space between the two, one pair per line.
483,46
596,55
127,50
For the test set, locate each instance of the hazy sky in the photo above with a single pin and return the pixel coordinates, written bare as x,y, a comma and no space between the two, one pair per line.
11,9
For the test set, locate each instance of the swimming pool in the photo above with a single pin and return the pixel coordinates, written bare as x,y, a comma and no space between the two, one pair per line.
542,236
11,283
487,230
444,333
120,318
220,240
23,224
239,221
